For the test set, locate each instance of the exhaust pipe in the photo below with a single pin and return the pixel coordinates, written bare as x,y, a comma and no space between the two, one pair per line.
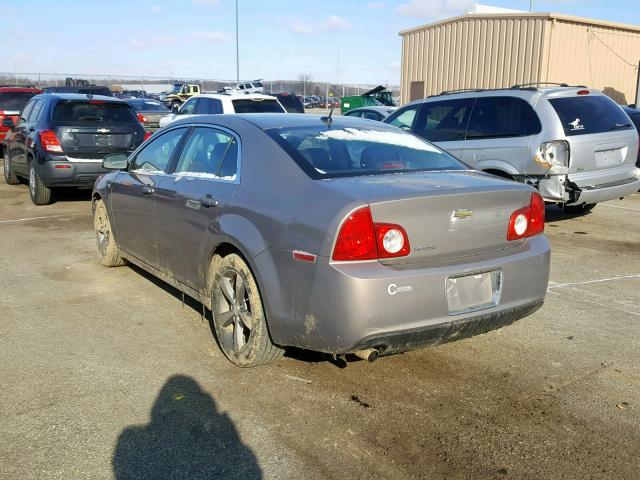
368,354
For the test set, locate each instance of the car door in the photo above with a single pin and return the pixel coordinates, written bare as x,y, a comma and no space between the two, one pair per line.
18,146
445,123
499,132
133,192
190,201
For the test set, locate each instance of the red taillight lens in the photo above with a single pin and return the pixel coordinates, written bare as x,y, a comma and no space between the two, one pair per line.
50,142
527,221
392,240
147,135
583,92
142,118
357,239
361,239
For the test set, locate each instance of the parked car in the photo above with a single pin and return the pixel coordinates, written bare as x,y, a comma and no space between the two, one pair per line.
135,93
290,102
371,113
60,139
84,90
181,93
148,111
574,144
254,86
634,115
12,101
215,103
340,236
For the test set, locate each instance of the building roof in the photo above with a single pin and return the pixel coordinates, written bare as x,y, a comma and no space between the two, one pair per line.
528,15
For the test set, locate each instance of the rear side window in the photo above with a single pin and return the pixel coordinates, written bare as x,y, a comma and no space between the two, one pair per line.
14,101
444,121
496,117
35,113
209,153
350,152
209,106
371,115
582,115
257,106
93,112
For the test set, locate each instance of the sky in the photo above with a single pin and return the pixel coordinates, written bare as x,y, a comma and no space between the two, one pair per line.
351,41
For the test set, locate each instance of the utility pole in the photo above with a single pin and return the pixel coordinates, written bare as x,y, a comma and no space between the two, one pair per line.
531,5
237,48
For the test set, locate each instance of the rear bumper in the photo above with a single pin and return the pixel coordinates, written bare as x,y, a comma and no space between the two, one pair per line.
353,306
608,191
64,173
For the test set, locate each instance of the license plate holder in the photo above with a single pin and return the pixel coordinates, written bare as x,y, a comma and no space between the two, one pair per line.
103,140
475,291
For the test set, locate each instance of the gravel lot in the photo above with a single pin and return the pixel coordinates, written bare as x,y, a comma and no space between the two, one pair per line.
106,374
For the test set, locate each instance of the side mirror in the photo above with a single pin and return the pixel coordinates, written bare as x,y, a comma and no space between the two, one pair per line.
8,122
115,161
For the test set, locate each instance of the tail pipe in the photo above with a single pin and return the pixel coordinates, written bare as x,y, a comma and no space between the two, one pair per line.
368,354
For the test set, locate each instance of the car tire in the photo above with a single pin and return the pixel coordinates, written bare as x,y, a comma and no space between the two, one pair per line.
238,315
578,209
107,248
9,177
40,194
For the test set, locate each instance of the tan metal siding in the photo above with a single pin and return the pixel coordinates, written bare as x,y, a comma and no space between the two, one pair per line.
598,56
473,53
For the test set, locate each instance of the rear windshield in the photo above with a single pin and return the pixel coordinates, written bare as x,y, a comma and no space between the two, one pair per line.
350,152
148,105
291,103
257,106
590,114
93,113
14,100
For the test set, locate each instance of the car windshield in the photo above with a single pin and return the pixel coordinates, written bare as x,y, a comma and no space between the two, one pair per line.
14,101
176,89
590,114
257,106
349,151
94,112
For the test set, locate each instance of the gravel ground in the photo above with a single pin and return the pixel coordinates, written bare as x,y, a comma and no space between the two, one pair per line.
106,374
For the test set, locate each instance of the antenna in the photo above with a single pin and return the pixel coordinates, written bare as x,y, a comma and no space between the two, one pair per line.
328,120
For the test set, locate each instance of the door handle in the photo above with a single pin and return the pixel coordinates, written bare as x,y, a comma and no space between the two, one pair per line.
148,190
208,201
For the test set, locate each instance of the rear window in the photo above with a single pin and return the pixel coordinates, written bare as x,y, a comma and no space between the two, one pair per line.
291,103
257,106
14,100
589,114
349,152
148,105
93,113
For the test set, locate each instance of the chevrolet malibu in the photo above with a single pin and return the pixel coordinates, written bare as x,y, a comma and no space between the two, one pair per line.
335,235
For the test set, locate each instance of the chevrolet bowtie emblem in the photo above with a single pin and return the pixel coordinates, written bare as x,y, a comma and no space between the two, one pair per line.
461,213
103,130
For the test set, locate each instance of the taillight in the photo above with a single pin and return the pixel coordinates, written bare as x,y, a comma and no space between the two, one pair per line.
142,118
583,92
360,239
50,142
147,134
528,221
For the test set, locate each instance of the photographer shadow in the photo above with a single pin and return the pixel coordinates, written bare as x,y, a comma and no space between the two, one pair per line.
186,438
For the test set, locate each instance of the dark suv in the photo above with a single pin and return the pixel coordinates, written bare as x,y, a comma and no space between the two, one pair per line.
60,140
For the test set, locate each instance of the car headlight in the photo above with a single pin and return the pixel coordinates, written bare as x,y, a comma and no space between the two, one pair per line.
553,154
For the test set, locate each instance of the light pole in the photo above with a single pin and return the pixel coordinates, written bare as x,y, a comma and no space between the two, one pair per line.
531,5
237,48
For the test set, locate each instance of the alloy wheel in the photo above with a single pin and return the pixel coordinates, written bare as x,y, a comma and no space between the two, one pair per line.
234,315
102,232
32,181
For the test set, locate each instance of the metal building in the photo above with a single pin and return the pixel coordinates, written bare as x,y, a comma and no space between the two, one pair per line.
504,49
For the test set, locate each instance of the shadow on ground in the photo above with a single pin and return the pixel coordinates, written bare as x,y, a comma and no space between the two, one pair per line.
186,438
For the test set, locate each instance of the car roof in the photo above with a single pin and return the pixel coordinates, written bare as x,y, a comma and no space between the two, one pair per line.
82,96
267,121
20,89
375,108
236,96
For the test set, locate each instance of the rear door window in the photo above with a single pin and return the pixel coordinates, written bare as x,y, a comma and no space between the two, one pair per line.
257,106
209,153
189,108
35,113
444,121
371,115
404,118
585,114
93,113
499,117
209,106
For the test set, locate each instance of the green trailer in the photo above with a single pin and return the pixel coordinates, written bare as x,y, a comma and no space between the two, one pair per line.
376,96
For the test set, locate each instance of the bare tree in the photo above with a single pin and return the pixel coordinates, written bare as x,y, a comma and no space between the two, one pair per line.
305,82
